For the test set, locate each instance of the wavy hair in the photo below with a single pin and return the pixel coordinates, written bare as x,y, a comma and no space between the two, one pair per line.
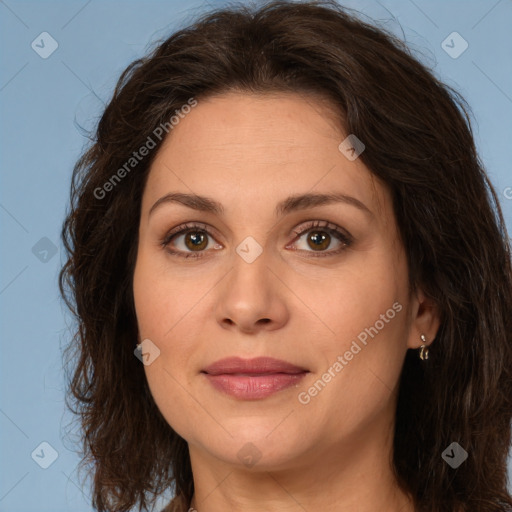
419,142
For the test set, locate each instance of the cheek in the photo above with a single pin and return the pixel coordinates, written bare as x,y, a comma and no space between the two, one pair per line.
162,299
163,313
158,317
168,309
364,315
362,362
354,299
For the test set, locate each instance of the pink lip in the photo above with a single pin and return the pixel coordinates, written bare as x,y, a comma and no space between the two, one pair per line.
252,379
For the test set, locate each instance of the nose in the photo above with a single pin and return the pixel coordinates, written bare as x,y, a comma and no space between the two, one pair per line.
252,298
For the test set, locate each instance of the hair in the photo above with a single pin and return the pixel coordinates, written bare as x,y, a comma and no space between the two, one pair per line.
418,140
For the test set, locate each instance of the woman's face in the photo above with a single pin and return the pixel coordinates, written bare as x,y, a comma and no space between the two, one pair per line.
277,271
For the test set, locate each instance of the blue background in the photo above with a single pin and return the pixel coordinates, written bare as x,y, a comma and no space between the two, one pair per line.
40,101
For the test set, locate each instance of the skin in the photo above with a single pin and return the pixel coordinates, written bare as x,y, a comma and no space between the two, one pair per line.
249,152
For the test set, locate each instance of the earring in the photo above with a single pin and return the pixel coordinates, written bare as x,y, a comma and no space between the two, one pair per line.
423,348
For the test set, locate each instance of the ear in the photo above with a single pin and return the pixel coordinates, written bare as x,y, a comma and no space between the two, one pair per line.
425,319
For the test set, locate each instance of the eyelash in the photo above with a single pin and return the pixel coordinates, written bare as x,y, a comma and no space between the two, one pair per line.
332,229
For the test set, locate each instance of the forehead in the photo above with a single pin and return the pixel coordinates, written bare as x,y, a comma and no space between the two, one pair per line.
239,145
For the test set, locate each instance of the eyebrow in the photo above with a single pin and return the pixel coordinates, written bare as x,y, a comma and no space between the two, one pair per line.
288,205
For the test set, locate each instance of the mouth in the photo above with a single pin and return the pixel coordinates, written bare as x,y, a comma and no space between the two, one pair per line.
252,379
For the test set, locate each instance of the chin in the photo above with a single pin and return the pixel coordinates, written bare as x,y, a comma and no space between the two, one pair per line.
257,447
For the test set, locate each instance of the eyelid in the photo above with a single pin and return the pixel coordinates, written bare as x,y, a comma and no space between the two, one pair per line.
343,236
327,226
200,226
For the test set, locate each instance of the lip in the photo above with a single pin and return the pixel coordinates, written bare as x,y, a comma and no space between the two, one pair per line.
252,379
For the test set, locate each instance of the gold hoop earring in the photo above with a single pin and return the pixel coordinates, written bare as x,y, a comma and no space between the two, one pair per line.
423,348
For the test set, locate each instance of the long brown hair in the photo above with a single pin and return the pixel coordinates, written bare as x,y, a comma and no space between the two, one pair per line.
418,138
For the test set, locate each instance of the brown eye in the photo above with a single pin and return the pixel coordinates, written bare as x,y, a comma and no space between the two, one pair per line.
196,240
318,240
311,239
189,241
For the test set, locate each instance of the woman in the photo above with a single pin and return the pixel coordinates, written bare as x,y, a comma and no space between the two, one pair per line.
291,277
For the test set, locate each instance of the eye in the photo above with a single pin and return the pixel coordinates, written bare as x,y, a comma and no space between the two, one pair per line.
320,236
194,240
